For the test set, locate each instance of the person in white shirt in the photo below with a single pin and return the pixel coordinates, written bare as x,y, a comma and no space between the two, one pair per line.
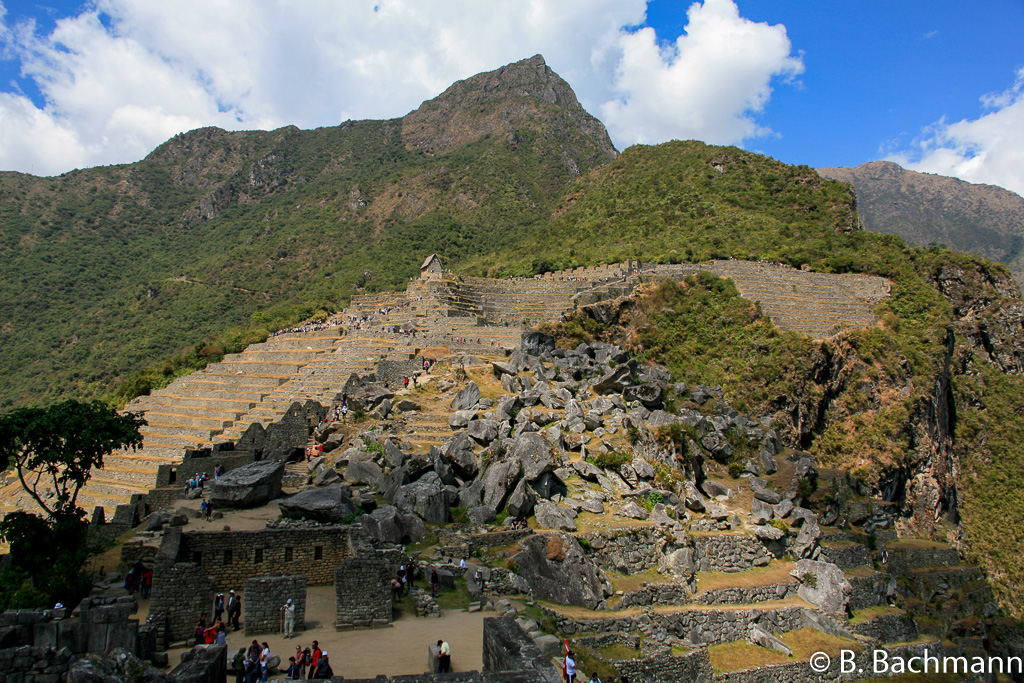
570,668
289,618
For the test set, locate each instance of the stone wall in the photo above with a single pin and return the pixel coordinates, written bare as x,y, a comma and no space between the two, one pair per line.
888,628
230,557
363,592
264,598
394,371
164,496
698,626
628,551
507,648
667,668
870,590
729,553
181,592
845,554
31,664
735,595
202,664
905,560
201,462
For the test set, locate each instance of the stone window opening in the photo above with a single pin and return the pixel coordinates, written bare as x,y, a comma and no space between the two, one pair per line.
287,554
318,552
259,556
228,556
197,557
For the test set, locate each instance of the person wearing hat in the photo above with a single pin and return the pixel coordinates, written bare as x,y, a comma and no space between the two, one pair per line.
323,667
289,618
234,609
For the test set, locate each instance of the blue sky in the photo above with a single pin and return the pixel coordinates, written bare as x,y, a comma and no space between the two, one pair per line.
820,83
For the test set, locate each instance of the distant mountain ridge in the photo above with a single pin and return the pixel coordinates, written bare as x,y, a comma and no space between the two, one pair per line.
925,208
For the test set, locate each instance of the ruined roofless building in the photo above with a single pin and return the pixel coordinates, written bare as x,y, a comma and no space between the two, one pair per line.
431,268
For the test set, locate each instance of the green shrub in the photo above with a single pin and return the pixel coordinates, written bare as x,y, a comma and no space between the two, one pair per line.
806,487
653,498
735,469
611,460
780,525
459,516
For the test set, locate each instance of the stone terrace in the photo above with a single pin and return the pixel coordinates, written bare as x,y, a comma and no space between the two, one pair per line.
465,314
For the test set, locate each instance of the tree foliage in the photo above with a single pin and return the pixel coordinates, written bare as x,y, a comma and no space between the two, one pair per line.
55,449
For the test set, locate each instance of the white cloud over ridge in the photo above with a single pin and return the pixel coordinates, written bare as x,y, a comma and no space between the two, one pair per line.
988,149
122,76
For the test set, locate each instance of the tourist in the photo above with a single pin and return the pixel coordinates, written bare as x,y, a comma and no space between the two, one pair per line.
462,563
289,618
396,590
147,583
323,667
202,508
314,659
222,634
435,582
209,511
254,651
570,668
265,662
444,657
218,607
201,630
238,664
302,659
234,609
594,678
294,674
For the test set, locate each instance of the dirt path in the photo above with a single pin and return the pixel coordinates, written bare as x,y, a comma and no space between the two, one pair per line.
400,649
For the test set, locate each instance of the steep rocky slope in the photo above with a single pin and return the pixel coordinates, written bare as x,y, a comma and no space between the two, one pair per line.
925,208
106,269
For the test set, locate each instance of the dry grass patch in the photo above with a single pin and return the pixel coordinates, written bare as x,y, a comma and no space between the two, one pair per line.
807,641
617,652
740,655
859,572
632,582
776,572
918,543
869,613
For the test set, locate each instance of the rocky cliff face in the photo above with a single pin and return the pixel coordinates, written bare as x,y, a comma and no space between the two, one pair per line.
924,208
509,103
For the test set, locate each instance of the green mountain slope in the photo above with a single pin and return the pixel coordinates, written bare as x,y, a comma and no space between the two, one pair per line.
924,208
107,269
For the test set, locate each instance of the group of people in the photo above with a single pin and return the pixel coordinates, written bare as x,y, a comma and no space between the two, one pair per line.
139,578
206,509
569,671
312,326
210,635
312,658
519,523
196,482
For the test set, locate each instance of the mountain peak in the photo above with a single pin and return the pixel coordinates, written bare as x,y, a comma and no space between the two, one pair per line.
505,101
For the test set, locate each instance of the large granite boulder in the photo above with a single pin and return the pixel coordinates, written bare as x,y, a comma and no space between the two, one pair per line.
822,584
467,398
385,524
551,516
426,497
498,480
615,380
522,500
360,472
331,504
248,486
533,453
457,452
648,394
484,431
536,343
556,569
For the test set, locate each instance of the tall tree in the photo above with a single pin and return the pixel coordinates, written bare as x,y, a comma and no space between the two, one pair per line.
57,447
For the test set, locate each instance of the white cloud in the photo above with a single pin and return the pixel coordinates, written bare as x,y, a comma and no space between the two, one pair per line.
988,149
707,85
122,76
